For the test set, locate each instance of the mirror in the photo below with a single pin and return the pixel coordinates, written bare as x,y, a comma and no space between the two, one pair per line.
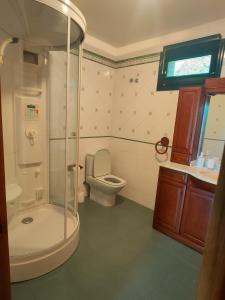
213,133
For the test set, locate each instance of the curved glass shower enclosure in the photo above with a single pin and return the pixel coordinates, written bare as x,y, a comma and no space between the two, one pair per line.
40,44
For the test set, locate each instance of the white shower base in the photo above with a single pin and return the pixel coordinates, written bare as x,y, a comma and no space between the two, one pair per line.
39,247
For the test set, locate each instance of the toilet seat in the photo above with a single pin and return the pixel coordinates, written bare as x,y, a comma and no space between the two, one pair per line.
111,180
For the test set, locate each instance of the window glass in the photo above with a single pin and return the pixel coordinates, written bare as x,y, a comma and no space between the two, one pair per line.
189,66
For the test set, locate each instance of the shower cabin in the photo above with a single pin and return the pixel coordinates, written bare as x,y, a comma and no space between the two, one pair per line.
40,63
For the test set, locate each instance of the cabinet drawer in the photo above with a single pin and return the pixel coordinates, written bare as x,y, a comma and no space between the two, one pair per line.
199,184
173,175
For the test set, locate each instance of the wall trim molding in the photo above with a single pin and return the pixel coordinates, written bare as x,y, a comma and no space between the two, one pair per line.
95,137
134,61
215,140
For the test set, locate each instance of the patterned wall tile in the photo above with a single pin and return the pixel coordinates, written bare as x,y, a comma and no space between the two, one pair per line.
135,111
144,109
96,99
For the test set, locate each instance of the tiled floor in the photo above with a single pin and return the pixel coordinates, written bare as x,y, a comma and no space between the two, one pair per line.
120,257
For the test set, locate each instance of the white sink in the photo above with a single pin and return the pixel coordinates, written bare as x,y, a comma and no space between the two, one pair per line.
212,175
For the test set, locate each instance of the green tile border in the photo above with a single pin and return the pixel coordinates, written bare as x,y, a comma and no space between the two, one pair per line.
95,137
99,59
120,138
134,61
214,140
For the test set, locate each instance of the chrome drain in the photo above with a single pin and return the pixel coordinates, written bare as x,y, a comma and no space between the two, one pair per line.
27,220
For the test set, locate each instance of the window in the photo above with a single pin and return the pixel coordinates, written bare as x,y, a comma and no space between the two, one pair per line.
189,66
190,63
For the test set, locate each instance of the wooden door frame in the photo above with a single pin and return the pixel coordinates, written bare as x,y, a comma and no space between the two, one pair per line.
5,291
212,278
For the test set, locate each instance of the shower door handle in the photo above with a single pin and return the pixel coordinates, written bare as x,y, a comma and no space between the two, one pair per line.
3,229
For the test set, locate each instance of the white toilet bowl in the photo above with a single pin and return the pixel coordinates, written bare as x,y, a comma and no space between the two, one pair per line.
13,193
103,186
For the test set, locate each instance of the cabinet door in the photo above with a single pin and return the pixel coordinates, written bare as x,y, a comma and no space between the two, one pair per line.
169,204
188,124
196,213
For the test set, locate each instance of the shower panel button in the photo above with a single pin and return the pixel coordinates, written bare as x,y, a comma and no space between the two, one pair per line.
32,112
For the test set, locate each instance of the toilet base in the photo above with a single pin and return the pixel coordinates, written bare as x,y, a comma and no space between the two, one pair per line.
102,198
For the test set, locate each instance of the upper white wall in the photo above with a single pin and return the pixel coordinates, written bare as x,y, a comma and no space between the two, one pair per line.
97,46
155,44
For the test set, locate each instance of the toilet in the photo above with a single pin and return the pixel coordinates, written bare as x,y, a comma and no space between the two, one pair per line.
13,193
103,185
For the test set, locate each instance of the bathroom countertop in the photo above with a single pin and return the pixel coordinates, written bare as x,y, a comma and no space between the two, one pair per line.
203,174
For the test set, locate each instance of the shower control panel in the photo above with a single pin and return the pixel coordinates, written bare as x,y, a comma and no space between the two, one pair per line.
29,130
32,112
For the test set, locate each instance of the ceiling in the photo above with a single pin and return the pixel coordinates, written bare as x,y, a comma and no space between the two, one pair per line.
122,22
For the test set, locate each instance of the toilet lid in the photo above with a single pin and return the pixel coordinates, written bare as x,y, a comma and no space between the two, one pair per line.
102,164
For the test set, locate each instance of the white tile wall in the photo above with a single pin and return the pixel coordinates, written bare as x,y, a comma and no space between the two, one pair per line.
124,103
137,164
97,94
139,112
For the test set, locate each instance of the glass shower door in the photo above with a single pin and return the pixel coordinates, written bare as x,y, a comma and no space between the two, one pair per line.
72,126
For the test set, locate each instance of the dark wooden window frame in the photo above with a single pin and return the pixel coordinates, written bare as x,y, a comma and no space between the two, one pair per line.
211,45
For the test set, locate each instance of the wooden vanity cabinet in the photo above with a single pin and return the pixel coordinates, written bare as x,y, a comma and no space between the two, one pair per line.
183,207
169,200
197,210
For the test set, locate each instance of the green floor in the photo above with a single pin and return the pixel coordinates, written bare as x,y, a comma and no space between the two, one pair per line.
120,257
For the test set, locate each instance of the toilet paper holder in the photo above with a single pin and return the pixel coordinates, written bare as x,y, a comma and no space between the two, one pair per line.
70,168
